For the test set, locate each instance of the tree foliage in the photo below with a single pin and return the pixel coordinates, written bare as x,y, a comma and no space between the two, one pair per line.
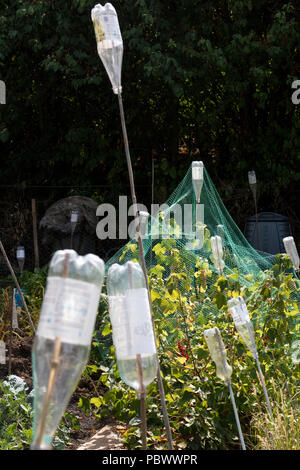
207,80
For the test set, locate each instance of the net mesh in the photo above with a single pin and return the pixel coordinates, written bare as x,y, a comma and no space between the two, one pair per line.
178,252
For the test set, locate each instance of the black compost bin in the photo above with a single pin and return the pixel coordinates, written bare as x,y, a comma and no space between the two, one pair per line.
272,228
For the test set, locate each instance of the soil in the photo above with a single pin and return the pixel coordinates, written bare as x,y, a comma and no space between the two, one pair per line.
18,362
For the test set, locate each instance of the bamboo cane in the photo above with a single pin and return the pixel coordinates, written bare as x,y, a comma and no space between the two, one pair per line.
142,392
143,264
35,235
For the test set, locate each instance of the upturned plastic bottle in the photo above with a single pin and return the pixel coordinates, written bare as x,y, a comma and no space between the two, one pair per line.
217,250
291,249
218,353
132,329
68,314
197,179
242,322
109,42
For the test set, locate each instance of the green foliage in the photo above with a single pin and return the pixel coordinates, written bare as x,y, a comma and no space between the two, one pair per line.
16,415
33,284
282,431
185,303
210,78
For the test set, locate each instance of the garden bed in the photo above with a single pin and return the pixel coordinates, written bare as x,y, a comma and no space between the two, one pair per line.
21,366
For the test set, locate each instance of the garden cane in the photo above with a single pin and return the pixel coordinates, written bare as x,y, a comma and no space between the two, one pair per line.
253,187
110,50
17,285
142,390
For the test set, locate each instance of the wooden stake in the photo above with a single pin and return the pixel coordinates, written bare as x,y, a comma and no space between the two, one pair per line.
35,236
10,309
142,393
256,223
17,285
54,364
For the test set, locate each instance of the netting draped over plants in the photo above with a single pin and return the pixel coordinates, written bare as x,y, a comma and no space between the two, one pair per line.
178,250
181,207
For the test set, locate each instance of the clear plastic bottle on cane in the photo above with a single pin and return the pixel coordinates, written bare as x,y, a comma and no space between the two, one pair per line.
223,369
244,326
132,329
62,341
109,42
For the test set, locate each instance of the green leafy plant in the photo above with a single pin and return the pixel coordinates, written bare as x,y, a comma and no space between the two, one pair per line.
16,415
185,302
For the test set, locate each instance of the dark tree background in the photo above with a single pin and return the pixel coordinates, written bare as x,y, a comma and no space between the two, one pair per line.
206,80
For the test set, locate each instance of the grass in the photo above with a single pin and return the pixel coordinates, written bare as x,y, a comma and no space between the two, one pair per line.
282,430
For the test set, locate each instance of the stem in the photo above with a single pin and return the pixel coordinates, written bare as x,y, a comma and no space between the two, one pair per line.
143,264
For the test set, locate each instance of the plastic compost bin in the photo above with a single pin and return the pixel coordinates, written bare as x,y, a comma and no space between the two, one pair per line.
272,228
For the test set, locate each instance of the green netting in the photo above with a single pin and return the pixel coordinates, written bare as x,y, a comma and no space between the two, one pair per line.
175,260
239,254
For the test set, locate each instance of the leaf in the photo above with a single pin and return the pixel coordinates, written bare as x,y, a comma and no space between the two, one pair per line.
106,330
97,401
220,300
154,295
181,360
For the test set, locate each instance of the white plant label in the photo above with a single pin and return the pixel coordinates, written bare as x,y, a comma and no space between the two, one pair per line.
2,352
131,324
69,310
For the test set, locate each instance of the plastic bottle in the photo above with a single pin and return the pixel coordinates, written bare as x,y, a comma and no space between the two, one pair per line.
109,42
218,353
68,312
241,319
291,249
21,257
217,250
251,177
197,179
130,316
